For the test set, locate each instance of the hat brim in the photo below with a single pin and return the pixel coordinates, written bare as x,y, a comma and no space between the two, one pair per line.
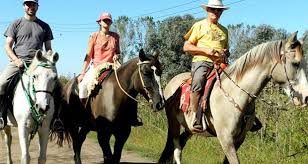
204,6
30,1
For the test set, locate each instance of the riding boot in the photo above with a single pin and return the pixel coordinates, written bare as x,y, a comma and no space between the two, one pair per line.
3,111
194,106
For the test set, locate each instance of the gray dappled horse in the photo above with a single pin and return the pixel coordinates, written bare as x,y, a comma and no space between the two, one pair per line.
282,61
33,106
112,108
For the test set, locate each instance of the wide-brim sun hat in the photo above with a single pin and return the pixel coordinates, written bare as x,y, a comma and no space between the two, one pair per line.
34,1
104,15
214,4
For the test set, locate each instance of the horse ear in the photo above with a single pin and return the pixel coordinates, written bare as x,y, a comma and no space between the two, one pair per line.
292,40
142,56
156,53
301,40
55,57
39,55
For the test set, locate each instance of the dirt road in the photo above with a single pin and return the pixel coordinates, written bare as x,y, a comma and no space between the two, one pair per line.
91,152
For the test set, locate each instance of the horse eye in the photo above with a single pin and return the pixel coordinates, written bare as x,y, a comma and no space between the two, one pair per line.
34,76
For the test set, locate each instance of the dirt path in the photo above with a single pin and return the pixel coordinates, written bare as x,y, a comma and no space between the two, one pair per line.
91,152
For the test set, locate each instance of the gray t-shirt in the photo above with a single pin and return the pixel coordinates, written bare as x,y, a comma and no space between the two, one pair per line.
28,35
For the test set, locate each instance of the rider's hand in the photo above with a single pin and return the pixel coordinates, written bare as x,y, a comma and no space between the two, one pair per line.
115,57
226,52
80,77
209,51
18,62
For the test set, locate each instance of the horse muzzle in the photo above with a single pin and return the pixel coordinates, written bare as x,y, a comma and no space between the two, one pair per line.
43,109
159,105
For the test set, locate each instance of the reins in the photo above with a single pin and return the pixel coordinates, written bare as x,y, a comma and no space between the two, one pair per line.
141,79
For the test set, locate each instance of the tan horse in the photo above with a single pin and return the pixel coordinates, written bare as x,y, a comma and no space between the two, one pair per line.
280,60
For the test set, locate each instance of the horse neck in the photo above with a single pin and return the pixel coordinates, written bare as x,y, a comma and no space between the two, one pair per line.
253,70
129,76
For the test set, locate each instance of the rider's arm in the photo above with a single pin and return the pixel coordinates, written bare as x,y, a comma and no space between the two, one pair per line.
10,53
87,59
194,50
48,45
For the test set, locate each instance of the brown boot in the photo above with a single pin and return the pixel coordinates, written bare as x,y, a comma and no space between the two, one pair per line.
193,105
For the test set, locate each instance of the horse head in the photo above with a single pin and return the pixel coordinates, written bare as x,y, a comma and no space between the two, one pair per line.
43,77
291,71
150,72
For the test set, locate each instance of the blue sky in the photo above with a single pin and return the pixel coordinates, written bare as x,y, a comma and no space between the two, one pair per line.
72,21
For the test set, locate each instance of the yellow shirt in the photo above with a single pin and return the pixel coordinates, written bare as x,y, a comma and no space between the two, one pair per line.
204,34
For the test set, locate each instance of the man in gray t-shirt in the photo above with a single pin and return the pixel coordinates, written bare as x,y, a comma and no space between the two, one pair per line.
22,36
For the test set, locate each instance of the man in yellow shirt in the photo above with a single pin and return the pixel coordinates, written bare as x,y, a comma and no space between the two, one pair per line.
207,42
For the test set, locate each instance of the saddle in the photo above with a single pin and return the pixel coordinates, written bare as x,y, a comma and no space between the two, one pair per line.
101,72
186,89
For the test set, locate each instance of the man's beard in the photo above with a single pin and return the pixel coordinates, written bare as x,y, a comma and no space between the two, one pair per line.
31,13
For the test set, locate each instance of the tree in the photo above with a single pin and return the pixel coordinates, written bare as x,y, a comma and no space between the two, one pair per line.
170,36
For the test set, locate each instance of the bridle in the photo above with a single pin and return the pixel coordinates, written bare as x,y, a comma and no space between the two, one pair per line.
141,79
37,117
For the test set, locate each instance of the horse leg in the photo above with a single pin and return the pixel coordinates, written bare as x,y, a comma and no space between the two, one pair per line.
237,145
8,141
43,133
78,136
121,137
103,137
173,145
23,133
227,143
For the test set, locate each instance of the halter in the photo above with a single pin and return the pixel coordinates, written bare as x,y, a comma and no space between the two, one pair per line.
37,117
141,79
292,91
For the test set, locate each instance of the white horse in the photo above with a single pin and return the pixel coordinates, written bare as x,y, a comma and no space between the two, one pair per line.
33,105
230,112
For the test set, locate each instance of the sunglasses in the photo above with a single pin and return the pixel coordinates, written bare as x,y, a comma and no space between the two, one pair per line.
108,21
216,9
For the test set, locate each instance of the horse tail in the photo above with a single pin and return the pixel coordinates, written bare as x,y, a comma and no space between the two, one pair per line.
61,124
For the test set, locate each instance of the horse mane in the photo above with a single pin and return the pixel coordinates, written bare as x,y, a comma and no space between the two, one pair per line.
255,56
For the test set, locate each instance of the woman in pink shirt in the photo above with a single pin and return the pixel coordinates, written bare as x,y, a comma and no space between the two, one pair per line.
103,47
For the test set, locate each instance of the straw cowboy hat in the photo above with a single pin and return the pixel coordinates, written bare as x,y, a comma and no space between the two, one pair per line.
215,4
